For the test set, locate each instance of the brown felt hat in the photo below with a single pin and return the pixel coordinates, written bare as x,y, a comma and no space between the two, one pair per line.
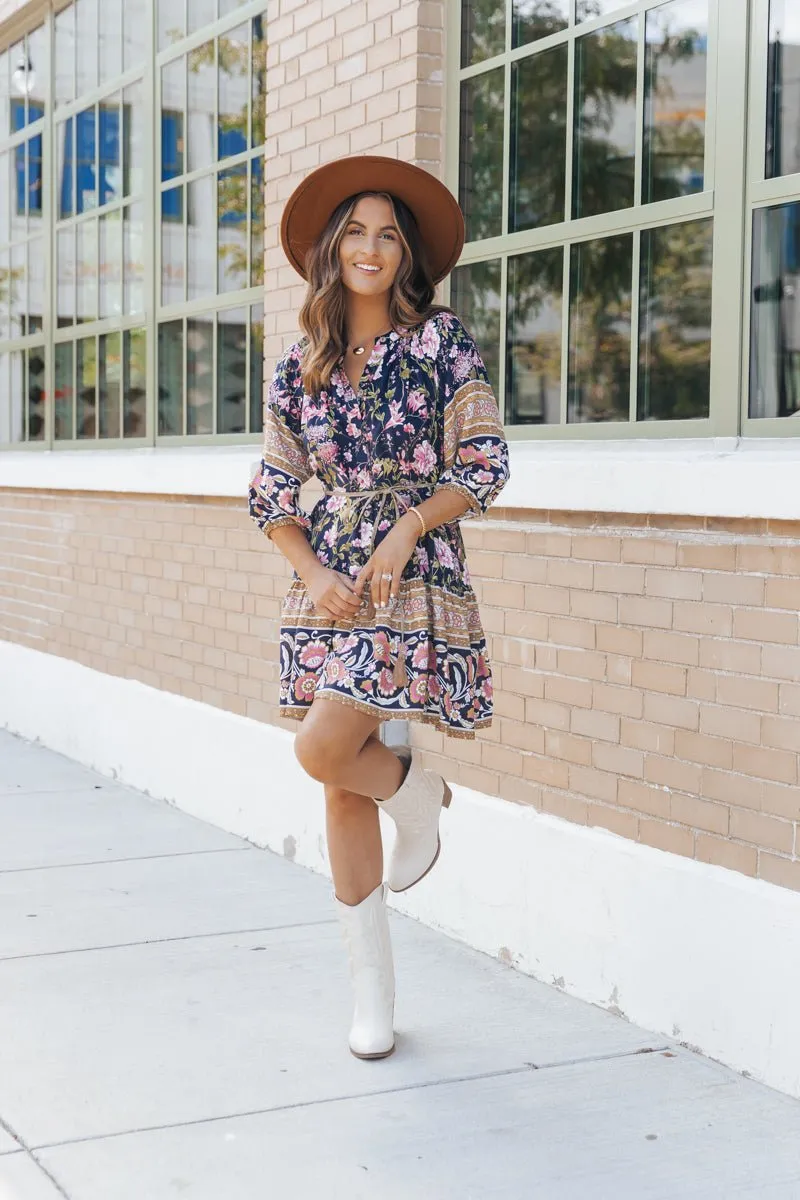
308,209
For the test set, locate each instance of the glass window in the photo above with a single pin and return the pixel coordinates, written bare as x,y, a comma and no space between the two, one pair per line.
201,272
35,365
605,119
258,82
587,10
775,312
675,322
200,106
533,371
66,276
783,89
476,299
87,245
676,49
134,383
483,30
64,392
109,385
256,368
110,265
133,258
109,39
170,377
86,45
600,277
234,92
86,396
480,186
135,44
64,59
534,19
200,13
232,203
134,140
232,336
200,375
173,248
27,160
538,139
171,22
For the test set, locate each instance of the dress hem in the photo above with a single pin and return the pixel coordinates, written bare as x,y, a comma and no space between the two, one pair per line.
296,712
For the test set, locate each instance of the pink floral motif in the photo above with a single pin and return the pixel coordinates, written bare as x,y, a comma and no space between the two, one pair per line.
386,683
444,554
335,671
382,647
313,655
305,686
418,690
424,458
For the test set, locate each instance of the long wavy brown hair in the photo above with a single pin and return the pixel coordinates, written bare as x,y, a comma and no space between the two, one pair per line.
322,317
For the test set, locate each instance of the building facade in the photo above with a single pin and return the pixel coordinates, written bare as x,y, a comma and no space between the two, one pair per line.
630,177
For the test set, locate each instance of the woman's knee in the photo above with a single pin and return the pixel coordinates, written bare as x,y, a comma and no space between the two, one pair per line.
319,753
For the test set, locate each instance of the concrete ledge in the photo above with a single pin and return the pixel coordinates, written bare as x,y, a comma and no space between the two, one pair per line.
692,951
704,477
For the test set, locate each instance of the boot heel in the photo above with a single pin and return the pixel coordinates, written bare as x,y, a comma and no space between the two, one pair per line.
448,796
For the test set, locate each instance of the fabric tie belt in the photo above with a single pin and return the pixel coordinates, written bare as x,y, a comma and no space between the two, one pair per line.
388,497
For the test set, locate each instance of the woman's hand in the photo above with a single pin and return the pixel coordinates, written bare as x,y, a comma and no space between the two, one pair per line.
383,571
332,594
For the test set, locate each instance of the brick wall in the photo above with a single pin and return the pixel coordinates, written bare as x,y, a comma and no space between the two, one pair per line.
343,77
648,674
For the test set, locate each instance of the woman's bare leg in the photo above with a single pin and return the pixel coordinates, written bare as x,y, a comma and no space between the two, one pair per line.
335,744
354,844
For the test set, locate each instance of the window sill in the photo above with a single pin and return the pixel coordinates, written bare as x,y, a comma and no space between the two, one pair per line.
714,477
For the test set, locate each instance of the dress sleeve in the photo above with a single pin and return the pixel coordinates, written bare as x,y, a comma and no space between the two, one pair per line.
275,490
475,449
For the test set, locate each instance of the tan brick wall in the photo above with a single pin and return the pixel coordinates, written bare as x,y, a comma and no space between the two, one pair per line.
647,675
344,77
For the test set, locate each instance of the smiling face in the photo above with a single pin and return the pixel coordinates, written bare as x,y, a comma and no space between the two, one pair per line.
370,252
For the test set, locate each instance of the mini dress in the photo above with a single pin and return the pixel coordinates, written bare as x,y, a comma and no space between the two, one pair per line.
423,418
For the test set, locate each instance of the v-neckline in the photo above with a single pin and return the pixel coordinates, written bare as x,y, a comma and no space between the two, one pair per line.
356,390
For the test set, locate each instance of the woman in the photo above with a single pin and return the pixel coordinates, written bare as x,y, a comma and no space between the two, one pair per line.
385,400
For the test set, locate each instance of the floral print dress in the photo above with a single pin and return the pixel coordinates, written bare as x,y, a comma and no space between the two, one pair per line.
423,418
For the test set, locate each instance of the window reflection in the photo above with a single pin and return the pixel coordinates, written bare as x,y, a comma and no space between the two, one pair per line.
538,139
534,19
675,322
600,329
256,368
173,247
109,390
86,406
476,299
483,30
232,235
533,371
170,377
676,48
171,22
64,392
35,381
64,57
200,375
587,10
783,89
232,371
775,312
202,261
233,82
109,39
134,383
110,266
201,89
133,258
481,156
86,60
605,119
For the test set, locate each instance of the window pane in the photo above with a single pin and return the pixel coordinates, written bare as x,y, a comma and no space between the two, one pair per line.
65,283
234,90
133,258
173,99
38,70
64,392
200,13
7,176
87,388
481,154
200,375
36,295
533,371
258,103
87,271
81,160
86,43
600,330
201,91
605,120
538,139
65,55
783,89
257,245
586,10
483,30
16,397
676,50
111,264
36,393
534,19
775,312
171,22
109,390
134,140
232,234
170,377
476,299
173,251
134,386
18,289
65,141
232,371
675,322
109,36
109,151
257,368
6,285
202,265
136,39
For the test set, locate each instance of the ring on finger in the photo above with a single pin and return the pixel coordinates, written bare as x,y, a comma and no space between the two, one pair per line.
387,575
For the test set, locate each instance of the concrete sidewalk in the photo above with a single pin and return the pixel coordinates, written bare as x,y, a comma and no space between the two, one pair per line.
174,1008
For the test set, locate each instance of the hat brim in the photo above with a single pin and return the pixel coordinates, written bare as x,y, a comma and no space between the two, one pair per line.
438,216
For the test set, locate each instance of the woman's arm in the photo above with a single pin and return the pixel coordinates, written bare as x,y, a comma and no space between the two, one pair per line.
332,594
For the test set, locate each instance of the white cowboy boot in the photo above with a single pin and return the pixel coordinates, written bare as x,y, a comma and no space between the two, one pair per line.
415,809
366,932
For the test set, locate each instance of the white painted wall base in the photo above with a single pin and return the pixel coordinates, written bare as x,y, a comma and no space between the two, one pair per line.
692,951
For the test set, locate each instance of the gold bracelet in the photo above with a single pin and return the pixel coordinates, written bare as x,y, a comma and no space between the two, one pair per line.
420,518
